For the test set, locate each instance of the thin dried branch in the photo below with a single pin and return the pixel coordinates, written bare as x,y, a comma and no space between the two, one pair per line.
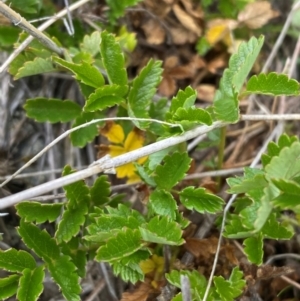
41,28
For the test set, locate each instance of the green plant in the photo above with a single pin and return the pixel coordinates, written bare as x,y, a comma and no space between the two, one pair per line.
96,225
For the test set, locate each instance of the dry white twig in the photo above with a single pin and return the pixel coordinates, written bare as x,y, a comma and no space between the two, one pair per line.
107,164
45,25
18,20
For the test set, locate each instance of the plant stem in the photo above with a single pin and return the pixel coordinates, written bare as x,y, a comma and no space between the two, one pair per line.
221,153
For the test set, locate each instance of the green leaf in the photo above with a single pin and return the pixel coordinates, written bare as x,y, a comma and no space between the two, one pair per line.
86,134
226,104
162,231
274,149
254,249
192,116
198,199
37,212
51,109
78,256
235,229
71,222
123,244
37,66
91,43
228,290
184,99
240,64
8,35
142,91
26,6
9,286
272,84
39,241
113,59
31,284
275,230
84,72
289,197
16,261
105,97
63,271
286,165
77,207
129,272
163,203
107,226
100,191
76,193
174,169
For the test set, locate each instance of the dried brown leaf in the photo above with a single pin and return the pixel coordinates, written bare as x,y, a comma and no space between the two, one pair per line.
193,8
141,293
206,92
257,14
167,86
181,35
154,32
186,20
201,247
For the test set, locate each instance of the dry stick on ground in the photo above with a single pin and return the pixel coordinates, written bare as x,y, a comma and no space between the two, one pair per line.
45,25
107,164
18,20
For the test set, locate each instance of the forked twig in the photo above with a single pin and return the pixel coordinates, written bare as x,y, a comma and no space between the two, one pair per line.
18,20
45,25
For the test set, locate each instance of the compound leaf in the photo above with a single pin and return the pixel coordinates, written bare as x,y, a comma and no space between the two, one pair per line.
113,59
9,286
105,97
198,199
163,231
163,203
37,212
63,271
122,245
272,84
142,90
174,169
39,241
31,284
84,72
51,109
254,249
16,261
37,66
